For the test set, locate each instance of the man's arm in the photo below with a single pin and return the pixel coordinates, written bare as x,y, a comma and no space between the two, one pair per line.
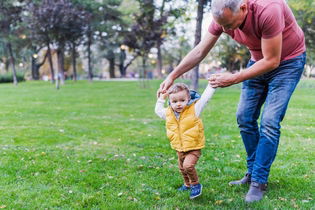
271,50
194,57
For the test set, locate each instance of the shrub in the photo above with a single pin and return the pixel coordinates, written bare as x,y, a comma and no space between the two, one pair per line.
8,77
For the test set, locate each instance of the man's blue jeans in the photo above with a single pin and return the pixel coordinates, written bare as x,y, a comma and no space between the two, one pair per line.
273,89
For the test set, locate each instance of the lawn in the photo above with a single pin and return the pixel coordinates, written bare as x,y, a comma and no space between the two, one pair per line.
100,146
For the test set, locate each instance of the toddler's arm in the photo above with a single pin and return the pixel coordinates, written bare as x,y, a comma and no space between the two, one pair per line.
205,97
159,106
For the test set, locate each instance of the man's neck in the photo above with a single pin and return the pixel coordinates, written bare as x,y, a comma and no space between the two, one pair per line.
244,21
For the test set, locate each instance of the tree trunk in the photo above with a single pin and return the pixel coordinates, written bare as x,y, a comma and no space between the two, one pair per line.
143,72
144,61
36,66
35,69
52,72
6,65
74,62
61,71
128,64
170,67
159,44
159,57
15,82
111,59
90,72
195,75
122,59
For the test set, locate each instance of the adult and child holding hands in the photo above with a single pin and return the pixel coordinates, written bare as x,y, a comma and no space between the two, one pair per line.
269,30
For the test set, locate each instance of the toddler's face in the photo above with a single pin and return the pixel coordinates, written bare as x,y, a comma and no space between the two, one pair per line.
179,100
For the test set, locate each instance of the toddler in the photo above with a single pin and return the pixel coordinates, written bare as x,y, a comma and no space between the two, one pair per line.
185,130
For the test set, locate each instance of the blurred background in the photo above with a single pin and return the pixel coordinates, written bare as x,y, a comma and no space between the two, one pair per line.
58,40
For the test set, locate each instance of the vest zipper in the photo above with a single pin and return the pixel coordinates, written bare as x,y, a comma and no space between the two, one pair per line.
179,133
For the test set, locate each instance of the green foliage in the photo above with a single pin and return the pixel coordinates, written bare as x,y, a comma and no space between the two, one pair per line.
143,35
8,78
304,11
105,26
127,8
12,29
232,55
100,146
174,51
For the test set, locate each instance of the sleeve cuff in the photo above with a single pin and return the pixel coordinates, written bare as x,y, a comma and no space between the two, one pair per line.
161,100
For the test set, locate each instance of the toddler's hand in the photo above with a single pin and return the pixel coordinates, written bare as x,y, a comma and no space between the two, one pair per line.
164,96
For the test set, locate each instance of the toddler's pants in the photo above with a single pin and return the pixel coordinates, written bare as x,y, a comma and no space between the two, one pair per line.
186,163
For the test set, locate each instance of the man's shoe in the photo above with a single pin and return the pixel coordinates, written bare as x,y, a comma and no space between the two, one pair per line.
183,188
195,191
244,180
256,192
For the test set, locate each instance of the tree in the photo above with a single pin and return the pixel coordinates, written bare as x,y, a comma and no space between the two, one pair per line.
36,64
93,9
127,8
110,33
68,26
304,11
59,22
145,32
142,35
232,55
40,22
10,17
200,11
74,30
165,25
4,57
33,42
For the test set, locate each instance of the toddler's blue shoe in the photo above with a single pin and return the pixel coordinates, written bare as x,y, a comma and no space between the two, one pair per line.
195,191
183,188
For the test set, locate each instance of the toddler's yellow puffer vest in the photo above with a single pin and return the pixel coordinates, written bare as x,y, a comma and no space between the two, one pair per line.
186,133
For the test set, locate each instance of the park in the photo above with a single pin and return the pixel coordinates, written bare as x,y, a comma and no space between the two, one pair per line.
78,128
83,148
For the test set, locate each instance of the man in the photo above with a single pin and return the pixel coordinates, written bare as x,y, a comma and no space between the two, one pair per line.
276,43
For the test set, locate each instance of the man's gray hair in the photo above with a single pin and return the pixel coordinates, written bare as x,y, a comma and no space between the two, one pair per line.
217,6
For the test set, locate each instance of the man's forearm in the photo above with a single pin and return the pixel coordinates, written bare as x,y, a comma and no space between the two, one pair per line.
260,67
271,49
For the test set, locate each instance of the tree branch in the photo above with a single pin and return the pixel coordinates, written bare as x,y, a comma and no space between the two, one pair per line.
42,63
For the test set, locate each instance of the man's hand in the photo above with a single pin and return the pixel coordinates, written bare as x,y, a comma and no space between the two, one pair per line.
164,86
223,79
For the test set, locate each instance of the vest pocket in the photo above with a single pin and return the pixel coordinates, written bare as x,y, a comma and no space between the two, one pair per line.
191,137
170,135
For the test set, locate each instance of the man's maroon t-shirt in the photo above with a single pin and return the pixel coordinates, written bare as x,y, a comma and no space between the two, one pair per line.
266,19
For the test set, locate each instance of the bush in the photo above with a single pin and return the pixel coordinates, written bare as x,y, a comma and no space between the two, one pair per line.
8,77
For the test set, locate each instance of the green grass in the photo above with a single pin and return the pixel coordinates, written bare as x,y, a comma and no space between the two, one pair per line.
100,146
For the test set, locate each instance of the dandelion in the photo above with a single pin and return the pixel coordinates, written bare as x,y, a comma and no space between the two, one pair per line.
218,202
